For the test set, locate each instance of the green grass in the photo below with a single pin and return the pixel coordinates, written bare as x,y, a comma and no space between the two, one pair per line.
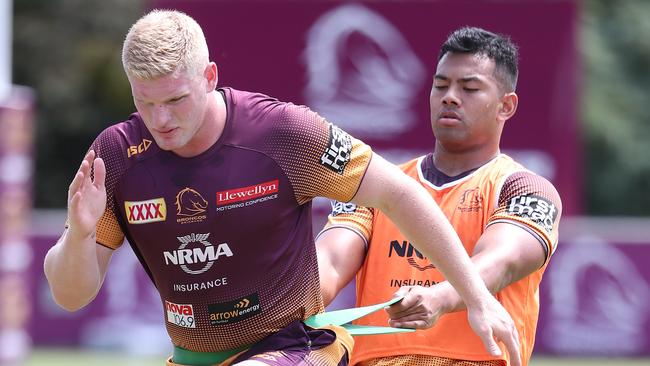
60,357
43,357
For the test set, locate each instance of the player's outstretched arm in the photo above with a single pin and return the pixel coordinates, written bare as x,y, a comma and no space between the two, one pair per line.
75,266
420,219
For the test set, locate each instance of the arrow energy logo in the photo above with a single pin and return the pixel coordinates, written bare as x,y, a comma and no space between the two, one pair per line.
234,311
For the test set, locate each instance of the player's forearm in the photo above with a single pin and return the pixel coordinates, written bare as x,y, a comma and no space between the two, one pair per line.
72,271
503,255
424,224
496,276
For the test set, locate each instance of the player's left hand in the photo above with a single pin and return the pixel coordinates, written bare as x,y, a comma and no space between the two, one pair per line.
420,308
492,322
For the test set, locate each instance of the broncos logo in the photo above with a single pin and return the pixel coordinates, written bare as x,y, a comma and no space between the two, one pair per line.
190,203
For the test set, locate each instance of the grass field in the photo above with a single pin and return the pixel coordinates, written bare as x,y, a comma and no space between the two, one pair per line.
79,358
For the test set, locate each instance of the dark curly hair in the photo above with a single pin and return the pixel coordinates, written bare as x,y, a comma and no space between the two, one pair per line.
496,47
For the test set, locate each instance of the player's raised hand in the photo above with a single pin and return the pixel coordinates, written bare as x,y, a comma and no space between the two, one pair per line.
493,322
420,308
87,197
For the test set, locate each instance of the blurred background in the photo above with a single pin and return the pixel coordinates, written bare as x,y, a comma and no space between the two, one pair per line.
582,122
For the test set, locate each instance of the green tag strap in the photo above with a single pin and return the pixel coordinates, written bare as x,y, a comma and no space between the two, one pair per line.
345,316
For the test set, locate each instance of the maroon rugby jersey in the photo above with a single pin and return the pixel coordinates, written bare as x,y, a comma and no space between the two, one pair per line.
226,236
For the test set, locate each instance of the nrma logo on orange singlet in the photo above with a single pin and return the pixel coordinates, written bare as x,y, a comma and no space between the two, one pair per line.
144,212
415,259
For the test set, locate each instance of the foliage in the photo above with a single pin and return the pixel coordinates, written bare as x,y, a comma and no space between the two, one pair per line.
615,113
69,52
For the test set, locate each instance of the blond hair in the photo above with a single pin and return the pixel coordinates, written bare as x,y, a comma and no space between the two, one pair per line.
162,42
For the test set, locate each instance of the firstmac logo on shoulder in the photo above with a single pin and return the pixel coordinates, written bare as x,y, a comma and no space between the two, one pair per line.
144,212
338,152
534,208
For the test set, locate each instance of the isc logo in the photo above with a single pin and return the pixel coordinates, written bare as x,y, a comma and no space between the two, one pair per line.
138,149
143,212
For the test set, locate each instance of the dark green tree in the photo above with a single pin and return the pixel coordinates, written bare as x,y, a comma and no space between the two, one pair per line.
69,52
615,113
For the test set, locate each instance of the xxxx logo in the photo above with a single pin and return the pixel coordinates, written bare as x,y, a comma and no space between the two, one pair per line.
143,212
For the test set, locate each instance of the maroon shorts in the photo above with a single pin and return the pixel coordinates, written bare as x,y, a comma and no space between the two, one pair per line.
298,344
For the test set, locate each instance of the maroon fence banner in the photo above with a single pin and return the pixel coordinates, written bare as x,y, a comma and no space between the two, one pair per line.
595,295
368,67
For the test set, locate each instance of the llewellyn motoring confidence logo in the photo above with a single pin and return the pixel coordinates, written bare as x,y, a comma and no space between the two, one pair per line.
247,196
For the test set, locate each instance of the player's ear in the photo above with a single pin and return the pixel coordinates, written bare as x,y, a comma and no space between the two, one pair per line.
211,74
508,105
